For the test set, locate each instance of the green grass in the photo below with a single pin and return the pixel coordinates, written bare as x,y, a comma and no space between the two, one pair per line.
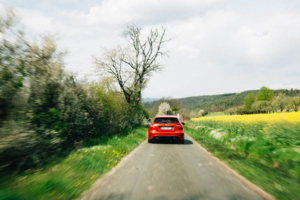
215,114
277,182
67,178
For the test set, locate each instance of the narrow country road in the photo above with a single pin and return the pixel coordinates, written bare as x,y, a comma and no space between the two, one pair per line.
169,171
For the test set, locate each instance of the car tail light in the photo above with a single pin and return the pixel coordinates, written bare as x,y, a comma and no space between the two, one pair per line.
151,127
179,126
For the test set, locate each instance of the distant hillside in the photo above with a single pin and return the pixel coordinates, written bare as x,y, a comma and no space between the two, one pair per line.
191,102
144,100
219,102
223,104
238,100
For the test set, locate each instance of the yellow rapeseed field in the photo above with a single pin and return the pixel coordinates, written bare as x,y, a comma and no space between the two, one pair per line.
293,117
257,145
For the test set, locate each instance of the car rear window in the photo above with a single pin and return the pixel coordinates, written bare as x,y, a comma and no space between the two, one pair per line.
166,120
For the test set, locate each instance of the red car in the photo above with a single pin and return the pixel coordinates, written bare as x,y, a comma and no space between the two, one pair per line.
166,127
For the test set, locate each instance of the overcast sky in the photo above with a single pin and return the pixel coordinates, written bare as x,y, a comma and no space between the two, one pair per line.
221,46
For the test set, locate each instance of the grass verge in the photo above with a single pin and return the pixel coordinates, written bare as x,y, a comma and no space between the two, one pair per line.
274,181
215,114
67,178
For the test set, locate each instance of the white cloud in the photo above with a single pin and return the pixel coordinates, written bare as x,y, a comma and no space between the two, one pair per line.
219,45
155,11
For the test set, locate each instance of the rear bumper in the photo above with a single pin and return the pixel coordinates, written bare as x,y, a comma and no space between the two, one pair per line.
164,135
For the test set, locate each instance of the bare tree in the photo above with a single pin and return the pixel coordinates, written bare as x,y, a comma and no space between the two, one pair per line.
132,66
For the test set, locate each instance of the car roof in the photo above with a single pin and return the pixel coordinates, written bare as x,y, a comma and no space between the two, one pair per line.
166,116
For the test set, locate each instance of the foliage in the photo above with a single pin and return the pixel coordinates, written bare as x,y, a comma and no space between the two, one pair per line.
264,94
261,106
202,113
184,115
219,103
174,104
280,102
67,177
194,114
30,81
238,100
265,142
233,110
175,109
190,102
249,100
13,66
44,110
163,108
295,102
273,180
215,114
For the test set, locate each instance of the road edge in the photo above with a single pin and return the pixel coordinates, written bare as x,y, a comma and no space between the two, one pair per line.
85,196
241,178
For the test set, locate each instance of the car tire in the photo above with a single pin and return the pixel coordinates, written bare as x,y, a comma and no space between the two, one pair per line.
182,141
150,141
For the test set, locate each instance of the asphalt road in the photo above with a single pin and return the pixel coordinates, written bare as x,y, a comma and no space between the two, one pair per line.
169,171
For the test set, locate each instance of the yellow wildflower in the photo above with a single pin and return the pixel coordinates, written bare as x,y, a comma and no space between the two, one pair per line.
77,184
61,196
52,193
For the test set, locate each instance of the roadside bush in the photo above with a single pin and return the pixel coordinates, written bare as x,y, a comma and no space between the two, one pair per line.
195,114
202,112
234,110
184,115
44,109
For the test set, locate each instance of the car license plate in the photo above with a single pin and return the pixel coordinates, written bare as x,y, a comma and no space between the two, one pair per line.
166,128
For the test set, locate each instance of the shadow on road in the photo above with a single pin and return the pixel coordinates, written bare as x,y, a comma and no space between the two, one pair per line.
186,142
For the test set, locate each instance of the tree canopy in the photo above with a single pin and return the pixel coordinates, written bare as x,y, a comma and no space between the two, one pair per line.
249,100
264,94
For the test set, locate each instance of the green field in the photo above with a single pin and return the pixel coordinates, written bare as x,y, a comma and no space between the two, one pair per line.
215,114
264,148
68,177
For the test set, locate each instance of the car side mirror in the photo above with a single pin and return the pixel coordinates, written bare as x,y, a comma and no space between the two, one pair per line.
182,123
